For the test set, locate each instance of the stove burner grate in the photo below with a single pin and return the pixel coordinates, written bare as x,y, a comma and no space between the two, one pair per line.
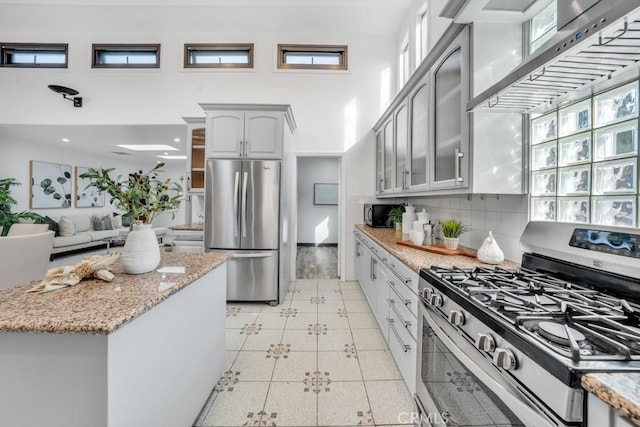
557,333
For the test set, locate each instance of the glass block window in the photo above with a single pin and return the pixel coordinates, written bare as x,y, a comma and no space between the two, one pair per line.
584,160
318,57
125,56
34,55
230,55
542,27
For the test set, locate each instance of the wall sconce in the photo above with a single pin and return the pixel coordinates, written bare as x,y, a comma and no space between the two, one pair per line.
68,93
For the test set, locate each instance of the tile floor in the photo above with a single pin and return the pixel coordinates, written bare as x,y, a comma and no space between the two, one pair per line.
318,359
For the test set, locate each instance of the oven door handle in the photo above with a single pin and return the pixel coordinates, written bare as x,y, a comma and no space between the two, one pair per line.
513,399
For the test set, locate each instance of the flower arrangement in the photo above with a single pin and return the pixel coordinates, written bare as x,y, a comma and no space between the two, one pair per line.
141,196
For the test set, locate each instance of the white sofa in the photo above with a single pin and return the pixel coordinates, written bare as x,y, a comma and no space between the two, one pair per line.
81,233
24,258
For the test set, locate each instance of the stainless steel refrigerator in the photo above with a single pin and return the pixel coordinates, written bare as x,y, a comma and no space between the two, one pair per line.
242,217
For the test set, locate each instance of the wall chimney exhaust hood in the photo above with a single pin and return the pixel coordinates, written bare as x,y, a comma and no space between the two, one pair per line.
602,41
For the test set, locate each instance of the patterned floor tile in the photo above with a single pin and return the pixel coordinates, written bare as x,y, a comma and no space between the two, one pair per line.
368,339
230,358
304,294
276,308
311,284
333,320
304,306
357,306
240,320
247,307
328,284
345,404
272,320
301,321
339,366
295,366
378,365
263,340
236,407
390,401
334,340
352,294
300,340
349,285
331,295
330,306
362,321
234,339
254,366
290,406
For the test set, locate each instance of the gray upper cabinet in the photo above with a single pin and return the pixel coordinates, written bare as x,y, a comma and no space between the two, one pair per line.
388,184
401,142
247,134
449,154
379,162
419,136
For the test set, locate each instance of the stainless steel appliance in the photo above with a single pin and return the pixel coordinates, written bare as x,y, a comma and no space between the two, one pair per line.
502,347
376,215
242,217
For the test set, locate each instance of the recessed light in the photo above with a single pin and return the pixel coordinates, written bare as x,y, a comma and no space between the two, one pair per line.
173,157
65,139
166,154
148,147
176,139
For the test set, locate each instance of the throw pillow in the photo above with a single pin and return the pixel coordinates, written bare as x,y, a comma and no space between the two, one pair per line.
126,221
116,221
97,223
106,222
53,226
80,222
66,227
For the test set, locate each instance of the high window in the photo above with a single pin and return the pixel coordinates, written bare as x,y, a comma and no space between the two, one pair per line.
403,65
125,56
421,36
322,57
218,55
542,26
34,55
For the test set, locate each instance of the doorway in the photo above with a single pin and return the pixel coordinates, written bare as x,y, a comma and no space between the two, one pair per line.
318,213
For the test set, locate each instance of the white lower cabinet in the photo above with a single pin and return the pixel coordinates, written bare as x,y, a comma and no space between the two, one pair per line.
601,414
391,291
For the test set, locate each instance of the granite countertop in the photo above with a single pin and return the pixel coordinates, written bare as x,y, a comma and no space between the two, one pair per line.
620,390
97,307
417,259
189,227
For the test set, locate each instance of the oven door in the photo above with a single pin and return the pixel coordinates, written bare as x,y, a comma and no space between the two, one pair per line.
456,385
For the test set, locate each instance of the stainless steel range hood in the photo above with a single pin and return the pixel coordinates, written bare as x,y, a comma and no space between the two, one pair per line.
592,47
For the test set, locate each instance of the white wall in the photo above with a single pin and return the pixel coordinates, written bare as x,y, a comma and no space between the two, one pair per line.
317,224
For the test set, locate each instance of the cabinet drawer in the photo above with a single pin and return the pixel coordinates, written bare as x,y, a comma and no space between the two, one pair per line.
402,316
403,296
402,273
404,351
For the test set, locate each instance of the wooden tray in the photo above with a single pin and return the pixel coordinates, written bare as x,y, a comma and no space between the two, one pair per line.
439,249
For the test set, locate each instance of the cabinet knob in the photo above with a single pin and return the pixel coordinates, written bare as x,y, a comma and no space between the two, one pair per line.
486,342
505,359
456,318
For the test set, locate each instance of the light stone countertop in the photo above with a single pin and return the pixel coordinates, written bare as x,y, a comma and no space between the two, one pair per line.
96,307
417,259
620,390
192,227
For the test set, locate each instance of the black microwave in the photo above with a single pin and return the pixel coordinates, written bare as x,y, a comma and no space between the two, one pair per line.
377,215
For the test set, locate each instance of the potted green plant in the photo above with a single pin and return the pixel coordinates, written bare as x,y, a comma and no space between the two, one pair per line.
394,217
451,230
142,197
8,218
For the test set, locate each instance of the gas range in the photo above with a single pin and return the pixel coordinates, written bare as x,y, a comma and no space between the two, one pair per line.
572,308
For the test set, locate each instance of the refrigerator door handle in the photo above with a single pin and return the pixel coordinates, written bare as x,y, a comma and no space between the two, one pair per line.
244,204
236,189
257,255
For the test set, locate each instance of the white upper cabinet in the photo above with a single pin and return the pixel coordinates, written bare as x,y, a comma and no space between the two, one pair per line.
234,133
419,136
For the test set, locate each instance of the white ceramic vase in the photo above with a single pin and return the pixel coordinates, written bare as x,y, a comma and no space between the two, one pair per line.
141,252
451,242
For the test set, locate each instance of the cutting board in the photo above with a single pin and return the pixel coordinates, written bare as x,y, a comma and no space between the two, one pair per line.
438,249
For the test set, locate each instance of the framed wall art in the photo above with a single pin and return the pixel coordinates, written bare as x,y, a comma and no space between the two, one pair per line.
325,194
87,197
50,185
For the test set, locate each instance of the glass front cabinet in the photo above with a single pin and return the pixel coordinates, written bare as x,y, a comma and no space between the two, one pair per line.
425,135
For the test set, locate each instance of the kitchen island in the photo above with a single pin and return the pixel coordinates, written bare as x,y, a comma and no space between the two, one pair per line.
141,350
